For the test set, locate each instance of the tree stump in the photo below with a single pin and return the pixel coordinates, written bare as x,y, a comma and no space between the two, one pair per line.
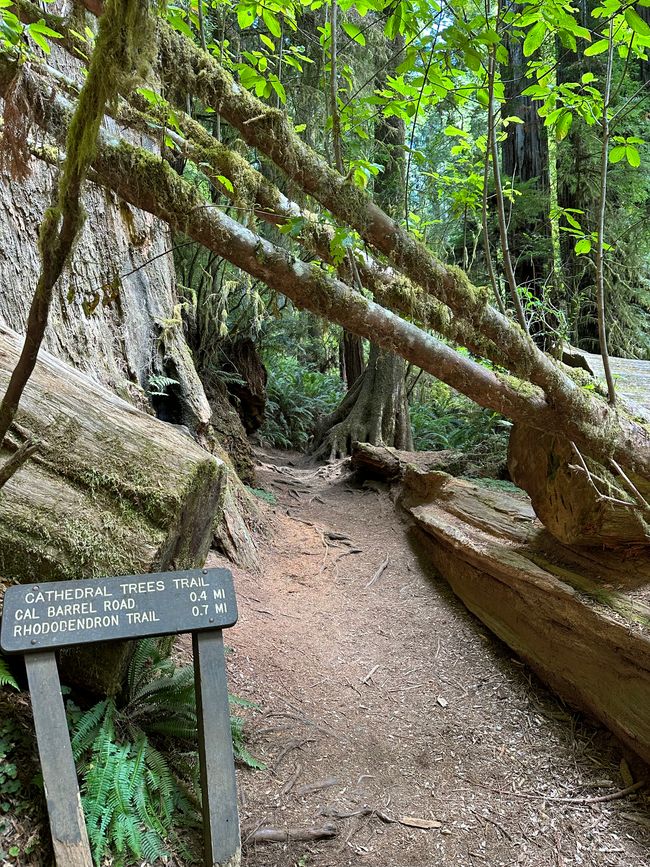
111,491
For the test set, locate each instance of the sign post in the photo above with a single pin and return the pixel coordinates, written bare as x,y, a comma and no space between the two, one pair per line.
41,618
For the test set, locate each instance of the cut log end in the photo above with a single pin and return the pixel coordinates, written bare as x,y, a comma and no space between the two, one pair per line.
578,500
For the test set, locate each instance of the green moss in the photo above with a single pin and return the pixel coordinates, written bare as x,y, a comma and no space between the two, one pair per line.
45,546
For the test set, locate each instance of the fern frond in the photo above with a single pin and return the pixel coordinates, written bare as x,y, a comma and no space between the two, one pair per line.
87,727
6,677
140,662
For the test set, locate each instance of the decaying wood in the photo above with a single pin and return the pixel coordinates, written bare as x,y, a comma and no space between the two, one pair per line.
288,835
579,617
579,500
383,462
111,491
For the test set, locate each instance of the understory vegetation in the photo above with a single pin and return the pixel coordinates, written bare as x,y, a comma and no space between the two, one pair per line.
137,760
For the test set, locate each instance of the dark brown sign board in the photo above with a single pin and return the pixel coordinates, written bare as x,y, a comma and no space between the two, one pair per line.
38,619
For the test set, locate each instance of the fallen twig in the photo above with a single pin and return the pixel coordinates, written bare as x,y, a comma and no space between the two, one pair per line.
279,835
535,796
379,572
292,745
368,677
291,782
310,788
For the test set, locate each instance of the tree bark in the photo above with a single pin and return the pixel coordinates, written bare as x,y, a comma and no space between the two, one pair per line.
379,414
111,491
188,69
374,411
578,618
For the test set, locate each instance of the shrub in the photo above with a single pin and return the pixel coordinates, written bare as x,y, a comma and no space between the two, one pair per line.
298,396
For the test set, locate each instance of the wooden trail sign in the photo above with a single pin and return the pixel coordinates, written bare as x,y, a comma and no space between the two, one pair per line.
40,618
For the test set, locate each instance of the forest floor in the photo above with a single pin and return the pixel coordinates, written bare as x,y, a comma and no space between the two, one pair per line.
391,718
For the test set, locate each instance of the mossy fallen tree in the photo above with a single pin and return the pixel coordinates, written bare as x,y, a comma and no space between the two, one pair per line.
544,396
111,491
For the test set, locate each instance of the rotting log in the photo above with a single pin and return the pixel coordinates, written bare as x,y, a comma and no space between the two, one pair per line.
389,464
579,617
579,500
111,491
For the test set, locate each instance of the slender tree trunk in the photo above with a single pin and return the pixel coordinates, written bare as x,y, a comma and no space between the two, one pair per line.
600,242
379,413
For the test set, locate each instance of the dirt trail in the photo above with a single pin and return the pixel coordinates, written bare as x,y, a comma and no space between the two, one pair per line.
387,696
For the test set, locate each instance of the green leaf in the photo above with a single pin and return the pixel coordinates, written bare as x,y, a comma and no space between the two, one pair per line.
179,24
278,87
583,246
633,156
266,41
245,17
6,677
40,40
617,154
41,27
300,128
354,32
534,38
597,48
272,23
563,125
637,23
151,96
226,182
454,130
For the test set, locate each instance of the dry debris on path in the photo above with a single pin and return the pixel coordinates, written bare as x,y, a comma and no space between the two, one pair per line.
396,730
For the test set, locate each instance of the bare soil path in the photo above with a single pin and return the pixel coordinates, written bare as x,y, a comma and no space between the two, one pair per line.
384,700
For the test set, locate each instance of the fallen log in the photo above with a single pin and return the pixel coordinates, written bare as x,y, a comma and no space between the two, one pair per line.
580,500
110,491
579,617
389,464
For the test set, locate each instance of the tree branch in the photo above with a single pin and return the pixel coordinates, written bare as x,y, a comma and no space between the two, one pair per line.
15,462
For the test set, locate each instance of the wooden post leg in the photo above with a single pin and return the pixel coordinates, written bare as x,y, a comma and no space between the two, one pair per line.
222,843
69,835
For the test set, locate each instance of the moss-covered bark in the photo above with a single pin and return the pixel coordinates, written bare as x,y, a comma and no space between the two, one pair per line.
112,491
374,411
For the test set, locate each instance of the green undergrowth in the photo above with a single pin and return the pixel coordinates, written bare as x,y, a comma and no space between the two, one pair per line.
298,395
268,496
442,418
138,764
